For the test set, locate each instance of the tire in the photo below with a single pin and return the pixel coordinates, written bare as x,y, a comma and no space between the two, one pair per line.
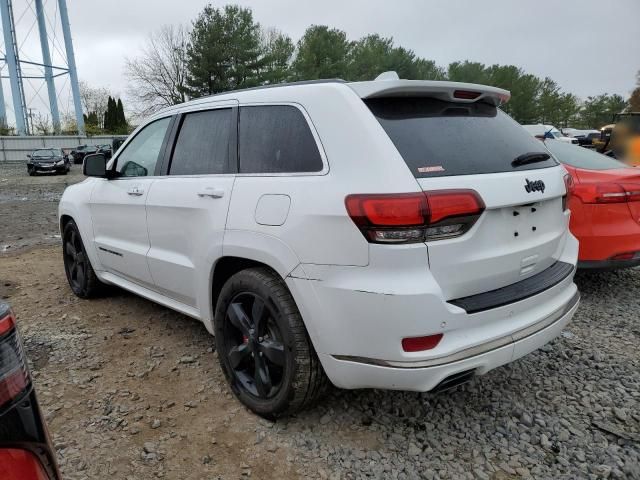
270,363
77,266
31,172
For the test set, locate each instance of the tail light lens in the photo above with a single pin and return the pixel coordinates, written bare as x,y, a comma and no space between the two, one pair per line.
607,192
420,344
17,464
568,187
466,94
14,374
414,217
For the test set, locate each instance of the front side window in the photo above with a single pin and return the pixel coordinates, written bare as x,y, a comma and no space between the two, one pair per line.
203,143
140,156
276,139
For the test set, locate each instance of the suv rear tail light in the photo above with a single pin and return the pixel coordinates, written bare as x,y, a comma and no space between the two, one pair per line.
18,464
14,374
419,344
607,192
414,217
568,187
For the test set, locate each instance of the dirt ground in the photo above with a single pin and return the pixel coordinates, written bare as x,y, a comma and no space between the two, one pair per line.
129,388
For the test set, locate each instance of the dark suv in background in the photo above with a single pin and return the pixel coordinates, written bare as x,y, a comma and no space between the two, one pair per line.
25,449
82,151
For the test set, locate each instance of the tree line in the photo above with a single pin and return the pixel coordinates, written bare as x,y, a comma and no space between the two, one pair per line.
110,121
226,49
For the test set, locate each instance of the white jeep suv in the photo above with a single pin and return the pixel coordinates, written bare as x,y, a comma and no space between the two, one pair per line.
388,234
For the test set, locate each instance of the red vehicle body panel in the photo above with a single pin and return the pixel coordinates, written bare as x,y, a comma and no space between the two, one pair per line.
17,464
604,230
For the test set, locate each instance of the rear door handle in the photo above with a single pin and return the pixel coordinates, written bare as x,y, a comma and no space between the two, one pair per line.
136,191
211,193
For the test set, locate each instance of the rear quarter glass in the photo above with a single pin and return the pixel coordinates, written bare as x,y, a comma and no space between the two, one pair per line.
580,157
439,139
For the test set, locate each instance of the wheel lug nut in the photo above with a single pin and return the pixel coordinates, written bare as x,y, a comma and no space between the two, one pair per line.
260,339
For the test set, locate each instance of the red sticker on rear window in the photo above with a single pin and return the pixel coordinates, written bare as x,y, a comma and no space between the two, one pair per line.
435,168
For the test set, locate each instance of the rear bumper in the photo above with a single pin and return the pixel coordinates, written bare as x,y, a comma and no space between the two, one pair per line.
607,264
358,316
414,376
604,231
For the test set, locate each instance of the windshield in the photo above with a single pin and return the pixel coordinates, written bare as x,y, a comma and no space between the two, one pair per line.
580,157
438,138
47,153
556,133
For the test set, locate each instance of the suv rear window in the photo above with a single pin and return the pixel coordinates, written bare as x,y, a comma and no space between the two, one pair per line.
276,139
438,138
580,157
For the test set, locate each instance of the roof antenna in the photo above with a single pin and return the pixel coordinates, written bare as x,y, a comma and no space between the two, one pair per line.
387,76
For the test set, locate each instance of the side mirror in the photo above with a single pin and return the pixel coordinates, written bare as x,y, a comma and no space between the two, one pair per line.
95,165
28,156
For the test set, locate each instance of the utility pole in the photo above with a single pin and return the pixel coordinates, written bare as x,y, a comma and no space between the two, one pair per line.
71,61
11,56
30,120
48,71
3,108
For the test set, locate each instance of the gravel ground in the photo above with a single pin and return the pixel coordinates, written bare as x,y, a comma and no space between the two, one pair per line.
28,206
132,390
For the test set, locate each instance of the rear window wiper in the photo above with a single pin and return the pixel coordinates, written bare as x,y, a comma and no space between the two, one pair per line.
531,157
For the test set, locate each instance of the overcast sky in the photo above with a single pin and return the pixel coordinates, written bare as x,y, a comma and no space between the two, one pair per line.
588,46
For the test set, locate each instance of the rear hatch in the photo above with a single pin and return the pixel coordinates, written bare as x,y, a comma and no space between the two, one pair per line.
453,145
592,168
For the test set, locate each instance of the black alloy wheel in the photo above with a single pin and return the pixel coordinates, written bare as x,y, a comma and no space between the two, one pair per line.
254,345
80,274
263,346
75,260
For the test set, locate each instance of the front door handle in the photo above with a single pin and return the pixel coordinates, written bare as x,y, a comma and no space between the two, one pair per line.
136,191
211,193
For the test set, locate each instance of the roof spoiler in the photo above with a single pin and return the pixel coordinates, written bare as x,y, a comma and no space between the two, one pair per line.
389,85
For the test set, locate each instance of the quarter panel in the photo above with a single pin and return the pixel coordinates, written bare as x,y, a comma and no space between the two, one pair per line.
75,204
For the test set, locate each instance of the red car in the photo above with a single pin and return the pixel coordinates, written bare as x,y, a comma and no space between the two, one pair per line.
26,452
604,199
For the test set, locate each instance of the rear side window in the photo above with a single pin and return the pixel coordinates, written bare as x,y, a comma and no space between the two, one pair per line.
202,146
276,139
580,157
438,138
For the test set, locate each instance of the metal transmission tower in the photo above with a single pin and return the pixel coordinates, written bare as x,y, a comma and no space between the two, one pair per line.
14,64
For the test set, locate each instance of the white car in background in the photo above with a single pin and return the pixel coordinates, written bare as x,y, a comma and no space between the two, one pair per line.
389,234
549,132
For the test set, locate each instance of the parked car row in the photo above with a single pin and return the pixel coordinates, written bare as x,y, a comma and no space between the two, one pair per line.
58,160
